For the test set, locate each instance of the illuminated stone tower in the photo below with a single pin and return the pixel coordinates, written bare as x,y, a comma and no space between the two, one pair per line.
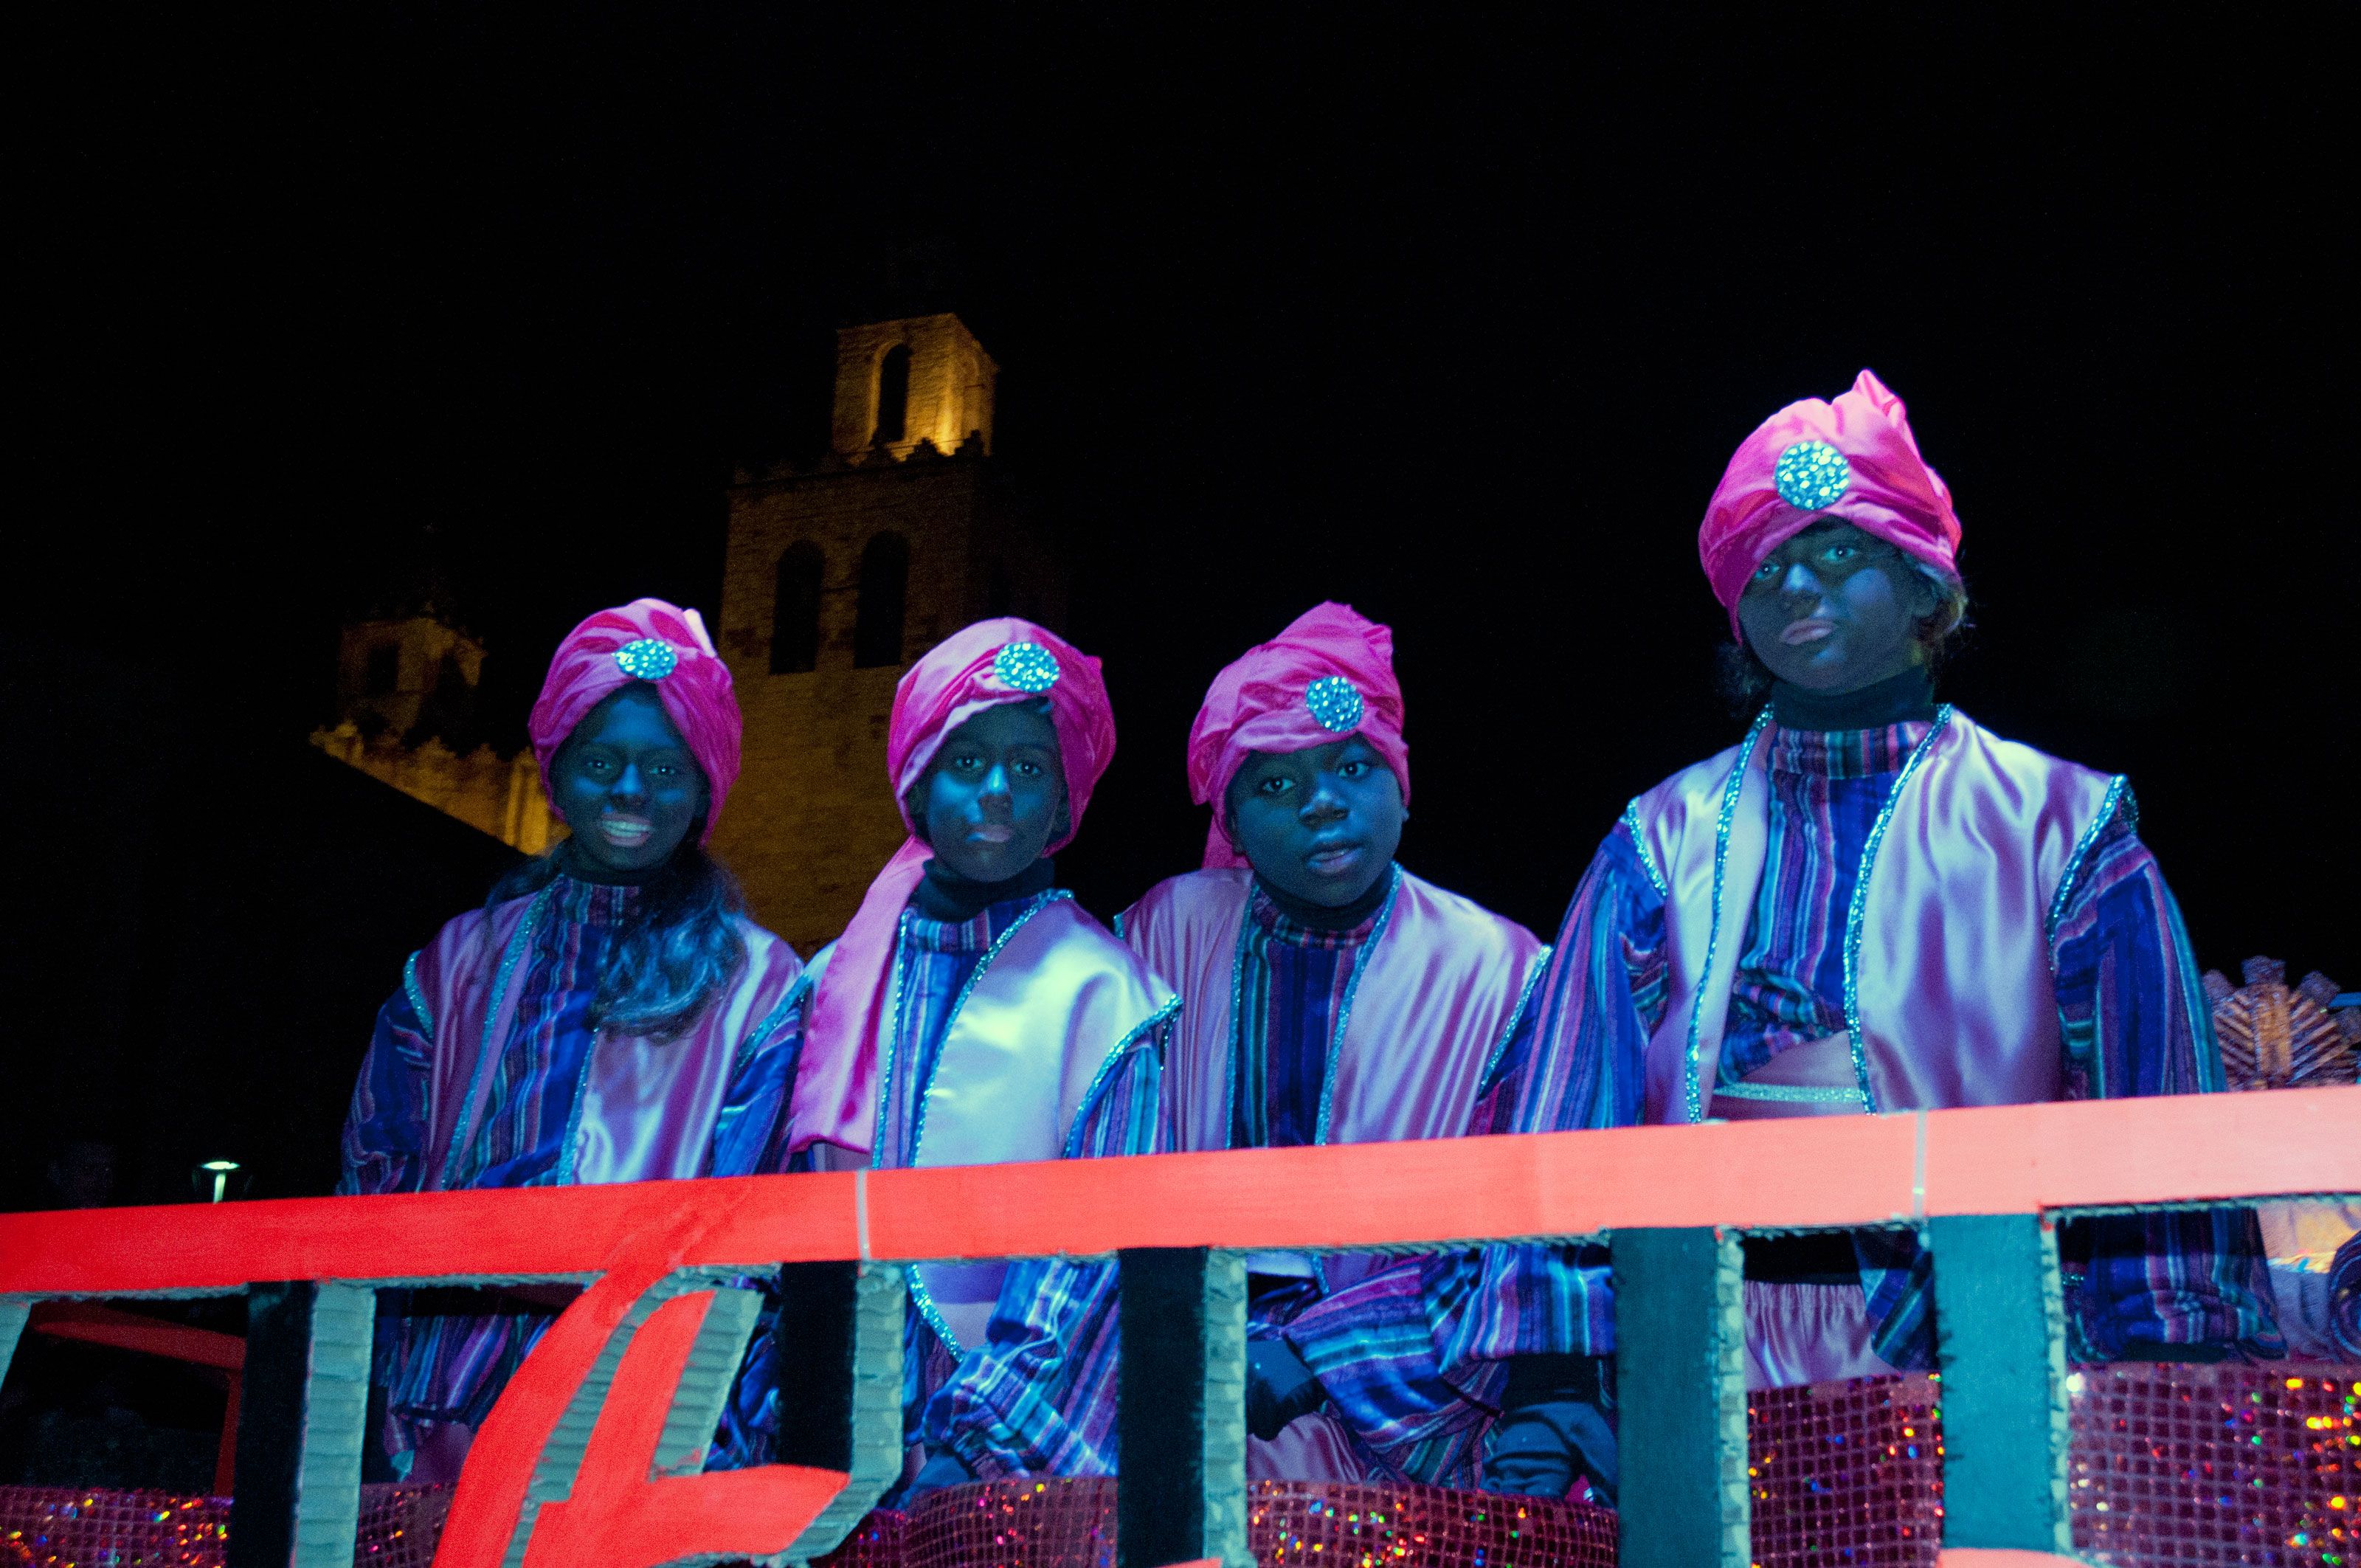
837,577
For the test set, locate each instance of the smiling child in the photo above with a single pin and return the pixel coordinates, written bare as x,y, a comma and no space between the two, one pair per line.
596,1021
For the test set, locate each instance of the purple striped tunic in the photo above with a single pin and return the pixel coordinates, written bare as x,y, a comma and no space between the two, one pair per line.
441,1368
1411,1357
2133,1018
1037,1396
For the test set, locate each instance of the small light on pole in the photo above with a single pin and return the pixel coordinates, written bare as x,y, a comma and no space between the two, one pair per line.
221,1169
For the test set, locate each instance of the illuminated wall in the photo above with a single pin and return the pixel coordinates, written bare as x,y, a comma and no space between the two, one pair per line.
496,794
399,675
811,820
950,387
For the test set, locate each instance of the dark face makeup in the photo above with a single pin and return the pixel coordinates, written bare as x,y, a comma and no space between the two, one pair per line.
1833,609
627,785
995,793
1321,825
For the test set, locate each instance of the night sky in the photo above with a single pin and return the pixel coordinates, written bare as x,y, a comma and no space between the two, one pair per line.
1457,323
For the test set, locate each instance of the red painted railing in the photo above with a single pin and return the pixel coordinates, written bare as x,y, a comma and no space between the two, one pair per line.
1804,1173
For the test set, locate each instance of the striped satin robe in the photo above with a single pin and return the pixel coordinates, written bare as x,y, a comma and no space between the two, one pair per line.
1413,1358
2134,1019
441,1358
1038,1396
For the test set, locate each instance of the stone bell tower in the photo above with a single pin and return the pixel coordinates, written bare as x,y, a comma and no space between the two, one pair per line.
839,575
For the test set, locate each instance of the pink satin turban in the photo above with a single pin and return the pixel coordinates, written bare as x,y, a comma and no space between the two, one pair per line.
1328,676
990,663
646,639
1854,460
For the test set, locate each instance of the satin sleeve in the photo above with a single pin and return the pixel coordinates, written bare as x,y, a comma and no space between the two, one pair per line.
2133,1013
1602,997
1520,1299
385,1131
1402,1352
750,1136
2135,1022
1037,1398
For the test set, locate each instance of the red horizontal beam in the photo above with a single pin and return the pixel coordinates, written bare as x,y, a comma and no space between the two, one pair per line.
450,1237
92,1324
1815,1171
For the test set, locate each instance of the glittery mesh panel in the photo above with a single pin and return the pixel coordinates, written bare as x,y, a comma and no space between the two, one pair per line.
1319,1522
1070,1524
1013,1524
2206,1464
1846,1472
51,1527
876,1542
400,1526
55,1526
2172,1467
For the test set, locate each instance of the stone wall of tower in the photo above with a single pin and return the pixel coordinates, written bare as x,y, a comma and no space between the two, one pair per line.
495,794
812,819
415,650
951,385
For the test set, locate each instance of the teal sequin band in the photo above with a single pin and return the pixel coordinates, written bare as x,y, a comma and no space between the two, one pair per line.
649,659
1790,1093
1335,702
1731,790
1027,667
1812,476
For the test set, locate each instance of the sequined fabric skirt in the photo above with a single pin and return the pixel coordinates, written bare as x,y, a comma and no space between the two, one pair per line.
2170,1467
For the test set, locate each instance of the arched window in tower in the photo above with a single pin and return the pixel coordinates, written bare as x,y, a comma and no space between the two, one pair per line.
795,613
885,592
383,671
894,395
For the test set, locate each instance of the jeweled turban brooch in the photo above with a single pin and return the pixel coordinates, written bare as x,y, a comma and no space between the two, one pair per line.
1812,476
649,659
1027,667
1335,702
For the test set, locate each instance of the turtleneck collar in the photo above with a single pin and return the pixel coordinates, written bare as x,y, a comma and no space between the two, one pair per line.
1319,917
588,902
943,894
1897,699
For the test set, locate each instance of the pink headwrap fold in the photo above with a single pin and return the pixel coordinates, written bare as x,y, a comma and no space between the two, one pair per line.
992,662
1289,695
664,645
1853,459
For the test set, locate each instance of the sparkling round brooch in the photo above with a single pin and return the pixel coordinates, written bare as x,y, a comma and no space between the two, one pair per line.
1334,703
1027,667
649,659
1812,476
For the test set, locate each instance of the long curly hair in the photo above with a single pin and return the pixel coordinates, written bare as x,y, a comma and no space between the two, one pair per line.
679,945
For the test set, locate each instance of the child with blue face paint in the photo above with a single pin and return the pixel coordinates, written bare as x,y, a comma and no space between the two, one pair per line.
1335,997
1873,904
608,1015
972,1013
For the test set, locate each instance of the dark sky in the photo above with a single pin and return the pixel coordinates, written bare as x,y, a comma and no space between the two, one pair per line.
1456,322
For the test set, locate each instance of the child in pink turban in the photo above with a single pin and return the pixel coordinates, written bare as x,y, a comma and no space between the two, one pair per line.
1776,931
606,1012
1336,998
972,1014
